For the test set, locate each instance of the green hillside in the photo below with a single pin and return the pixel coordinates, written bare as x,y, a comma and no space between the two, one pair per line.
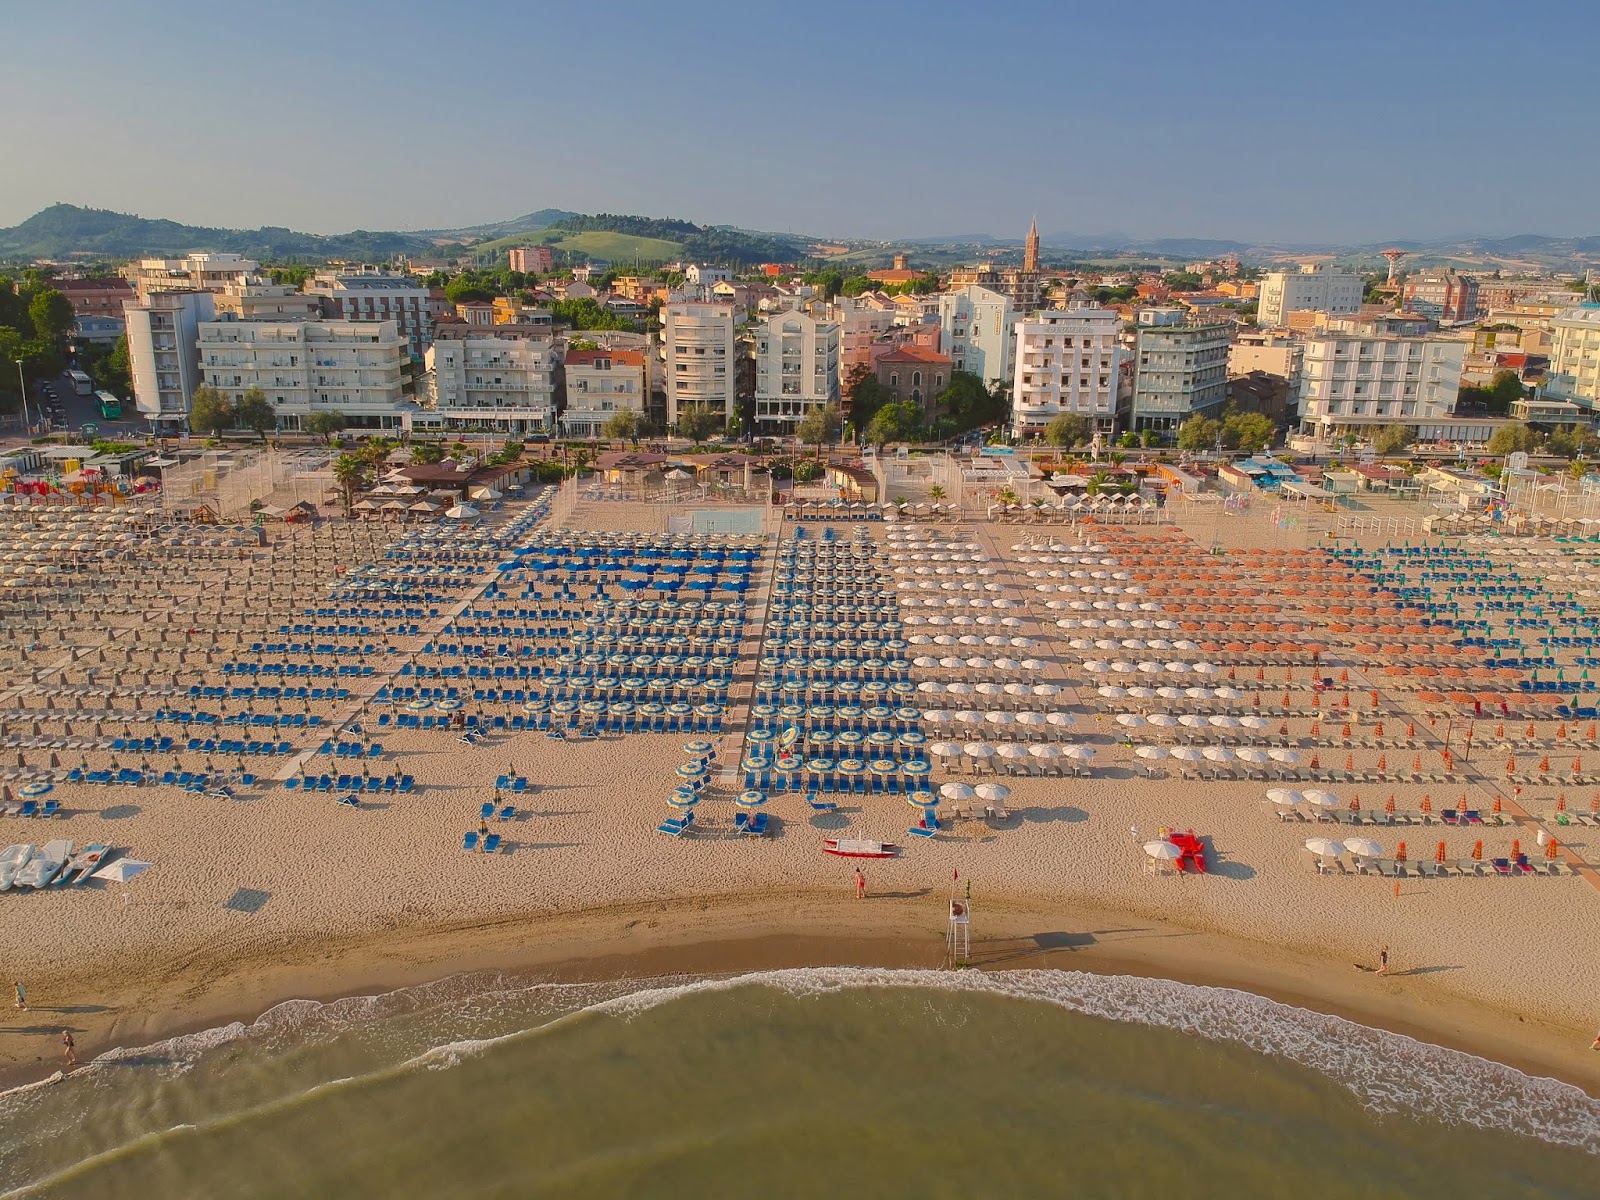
619,247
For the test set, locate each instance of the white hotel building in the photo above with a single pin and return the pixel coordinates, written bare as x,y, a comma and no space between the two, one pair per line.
797,369
499,377
699,348
1352,383
1068,361
302,367
1314,286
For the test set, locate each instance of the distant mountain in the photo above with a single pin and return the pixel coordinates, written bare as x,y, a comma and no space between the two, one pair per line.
65,230
532,223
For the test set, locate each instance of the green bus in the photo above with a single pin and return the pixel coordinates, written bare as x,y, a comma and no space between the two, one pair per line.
110,406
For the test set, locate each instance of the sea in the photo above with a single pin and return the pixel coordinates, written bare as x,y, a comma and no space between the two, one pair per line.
845,1082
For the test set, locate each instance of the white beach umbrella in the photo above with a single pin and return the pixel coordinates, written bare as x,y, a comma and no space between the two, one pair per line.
945,749
1161,720
1192,721
1250,754
1060,720
1151,752
956,791
992,791
1131,720
1287,757
1186,754
1324,846
1363,847
1287,797
1222,721
1080,752
1013,752
1254,722
1112,692
1162,851
122,870
978,750
1217,753
1321,799
1045,751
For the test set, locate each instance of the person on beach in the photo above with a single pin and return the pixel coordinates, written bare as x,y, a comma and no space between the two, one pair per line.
861,885
1383,961
1133,832
1595,1045
22,997
69,1048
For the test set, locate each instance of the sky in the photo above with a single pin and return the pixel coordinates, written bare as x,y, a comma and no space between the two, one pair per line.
1325,123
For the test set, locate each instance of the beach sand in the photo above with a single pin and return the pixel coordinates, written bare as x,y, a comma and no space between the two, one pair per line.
278,894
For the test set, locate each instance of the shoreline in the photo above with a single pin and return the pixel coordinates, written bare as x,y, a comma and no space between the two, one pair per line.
736,934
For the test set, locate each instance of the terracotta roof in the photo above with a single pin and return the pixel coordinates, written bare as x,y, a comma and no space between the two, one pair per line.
621,358
911,353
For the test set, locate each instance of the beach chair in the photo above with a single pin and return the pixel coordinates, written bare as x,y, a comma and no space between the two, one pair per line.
508,812
491,843
469,841
52,808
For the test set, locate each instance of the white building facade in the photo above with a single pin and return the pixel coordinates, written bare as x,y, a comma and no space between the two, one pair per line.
978,332
1574,374
699,346
797,369
1313,286
353,368
493,377
1068,361
1355,384
600,385
1180,371
162,332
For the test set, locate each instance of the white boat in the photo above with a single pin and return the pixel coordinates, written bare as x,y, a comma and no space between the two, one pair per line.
857,848
45,865
83,864
12,860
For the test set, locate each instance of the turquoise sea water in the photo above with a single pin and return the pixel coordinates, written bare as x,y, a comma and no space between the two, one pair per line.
800,1083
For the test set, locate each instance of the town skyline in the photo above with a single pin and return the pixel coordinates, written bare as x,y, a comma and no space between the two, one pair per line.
1205,126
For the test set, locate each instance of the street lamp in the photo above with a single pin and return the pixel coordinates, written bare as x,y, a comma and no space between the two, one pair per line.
23,385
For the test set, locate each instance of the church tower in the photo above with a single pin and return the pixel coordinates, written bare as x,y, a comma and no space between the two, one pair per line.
1030,248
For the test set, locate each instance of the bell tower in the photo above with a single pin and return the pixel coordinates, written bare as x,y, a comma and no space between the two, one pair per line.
1030,248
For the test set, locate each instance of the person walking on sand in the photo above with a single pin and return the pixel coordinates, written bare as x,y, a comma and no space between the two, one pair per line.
22,997
1383,961
69,1048
861,885
1595,1045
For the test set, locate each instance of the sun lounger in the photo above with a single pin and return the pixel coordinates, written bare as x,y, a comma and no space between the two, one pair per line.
469,841
491,843
508,813
486,810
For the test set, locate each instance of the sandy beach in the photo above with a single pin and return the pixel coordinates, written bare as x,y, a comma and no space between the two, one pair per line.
274,894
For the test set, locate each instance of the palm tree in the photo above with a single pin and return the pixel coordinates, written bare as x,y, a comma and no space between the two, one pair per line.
936,493
350,472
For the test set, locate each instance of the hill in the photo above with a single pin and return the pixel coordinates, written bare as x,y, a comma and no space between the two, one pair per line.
65,231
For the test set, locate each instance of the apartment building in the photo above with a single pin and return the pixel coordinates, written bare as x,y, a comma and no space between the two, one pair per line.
194,272
162,331
978,331
1444,297
373,296
914,374
1355,383
1575,358
350,367
797,369
1180,370
699,346
602,383
96,297
531,260
251,299
1067,361
499,377
1314,286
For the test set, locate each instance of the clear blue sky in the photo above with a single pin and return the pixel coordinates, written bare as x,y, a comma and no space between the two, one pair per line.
1336,121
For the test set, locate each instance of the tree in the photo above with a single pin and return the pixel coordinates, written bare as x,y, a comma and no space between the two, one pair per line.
1150,439
1129,440
1509,439
623,426
865,393
1391,439
325,423
894,423
1498,396
819,425
1250,432
1199,433
936,493
426,453
51,314
1571,442
697,423
255,411
116,370
1067,430
350,472
210,411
